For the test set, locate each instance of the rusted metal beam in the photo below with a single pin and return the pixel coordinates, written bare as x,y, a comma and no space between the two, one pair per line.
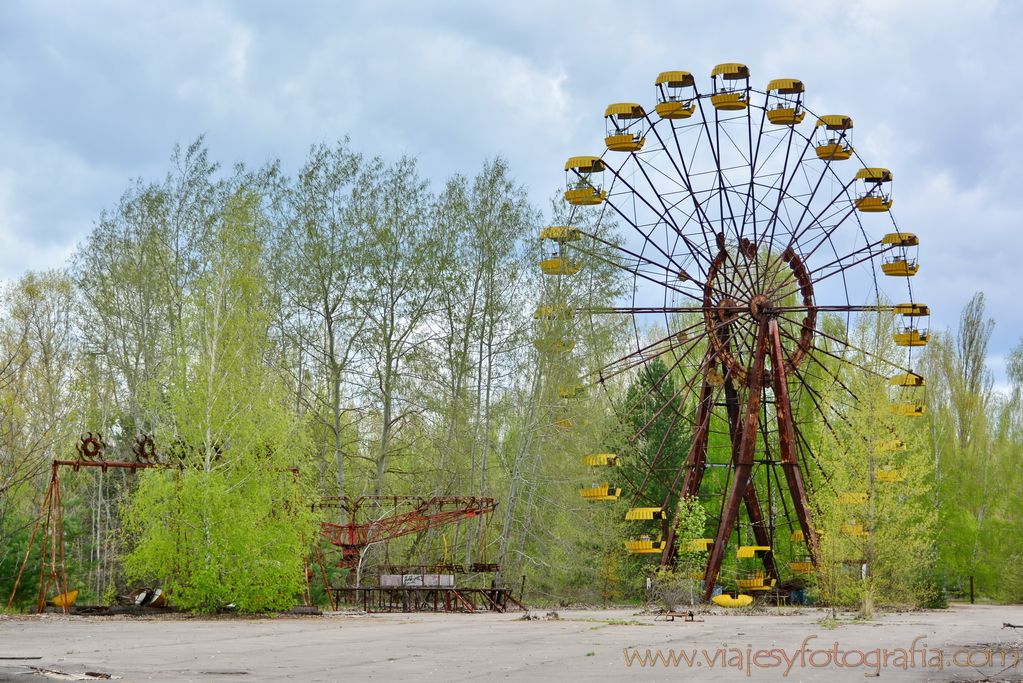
787,441
750,497
743,469
695,462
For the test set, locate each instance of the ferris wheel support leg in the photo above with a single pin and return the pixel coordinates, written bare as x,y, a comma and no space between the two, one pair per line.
695,462
787,443
743,465
751,499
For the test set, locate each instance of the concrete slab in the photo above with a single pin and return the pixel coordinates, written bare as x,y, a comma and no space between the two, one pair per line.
580,645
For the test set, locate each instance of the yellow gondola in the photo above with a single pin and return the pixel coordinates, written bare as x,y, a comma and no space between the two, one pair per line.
730,94
907,409
852,498
748,551
900,266
564,423
697,545
890,475
801,567
624,121
559,265
912,310
834,139
601,460
601,492
645,545
910,336
570,391
552,313
901,239
676,94
581,181
560,233
797,536
855,529
645,514
785,101
907,379
890,446
873,198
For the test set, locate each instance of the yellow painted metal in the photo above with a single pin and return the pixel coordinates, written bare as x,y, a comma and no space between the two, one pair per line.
907,409
65,600
729,101
601,492
874,174
747,551
801,567
645,546
835,122
890,445
752,580
890,475
585,196
643,514
901,239
675,79
854,529
697,545
785,116
624,142
554,344
834,151
552,313
675,109
725,600
559,265
874,204
560,233
797,536
900,267
762,588
907,379
571,391
731,71
852,498
601,460
624,110
911,337
786,86
912,310
585,164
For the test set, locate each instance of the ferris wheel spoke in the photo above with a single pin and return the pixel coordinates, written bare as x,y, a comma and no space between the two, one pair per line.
665,215
869,354
683,173
800,166
647,353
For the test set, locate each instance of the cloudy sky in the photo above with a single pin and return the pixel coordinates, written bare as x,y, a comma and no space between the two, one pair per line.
94,94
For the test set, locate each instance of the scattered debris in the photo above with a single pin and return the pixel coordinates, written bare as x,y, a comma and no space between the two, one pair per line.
65,676
689,617
305,609
550,616
1006,624
144,597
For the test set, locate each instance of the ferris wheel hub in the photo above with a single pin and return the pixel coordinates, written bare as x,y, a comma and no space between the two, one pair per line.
760,306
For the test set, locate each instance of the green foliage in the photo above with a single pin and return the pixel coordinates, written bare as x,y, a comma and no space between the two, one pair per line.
210,538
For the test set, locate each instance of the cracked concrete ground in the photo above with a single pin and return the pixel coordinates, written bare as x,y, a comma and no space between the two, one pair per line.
580,645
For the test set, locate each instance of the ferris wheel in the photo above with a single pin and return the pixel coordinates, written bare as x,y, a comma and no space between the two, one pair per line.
754,235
